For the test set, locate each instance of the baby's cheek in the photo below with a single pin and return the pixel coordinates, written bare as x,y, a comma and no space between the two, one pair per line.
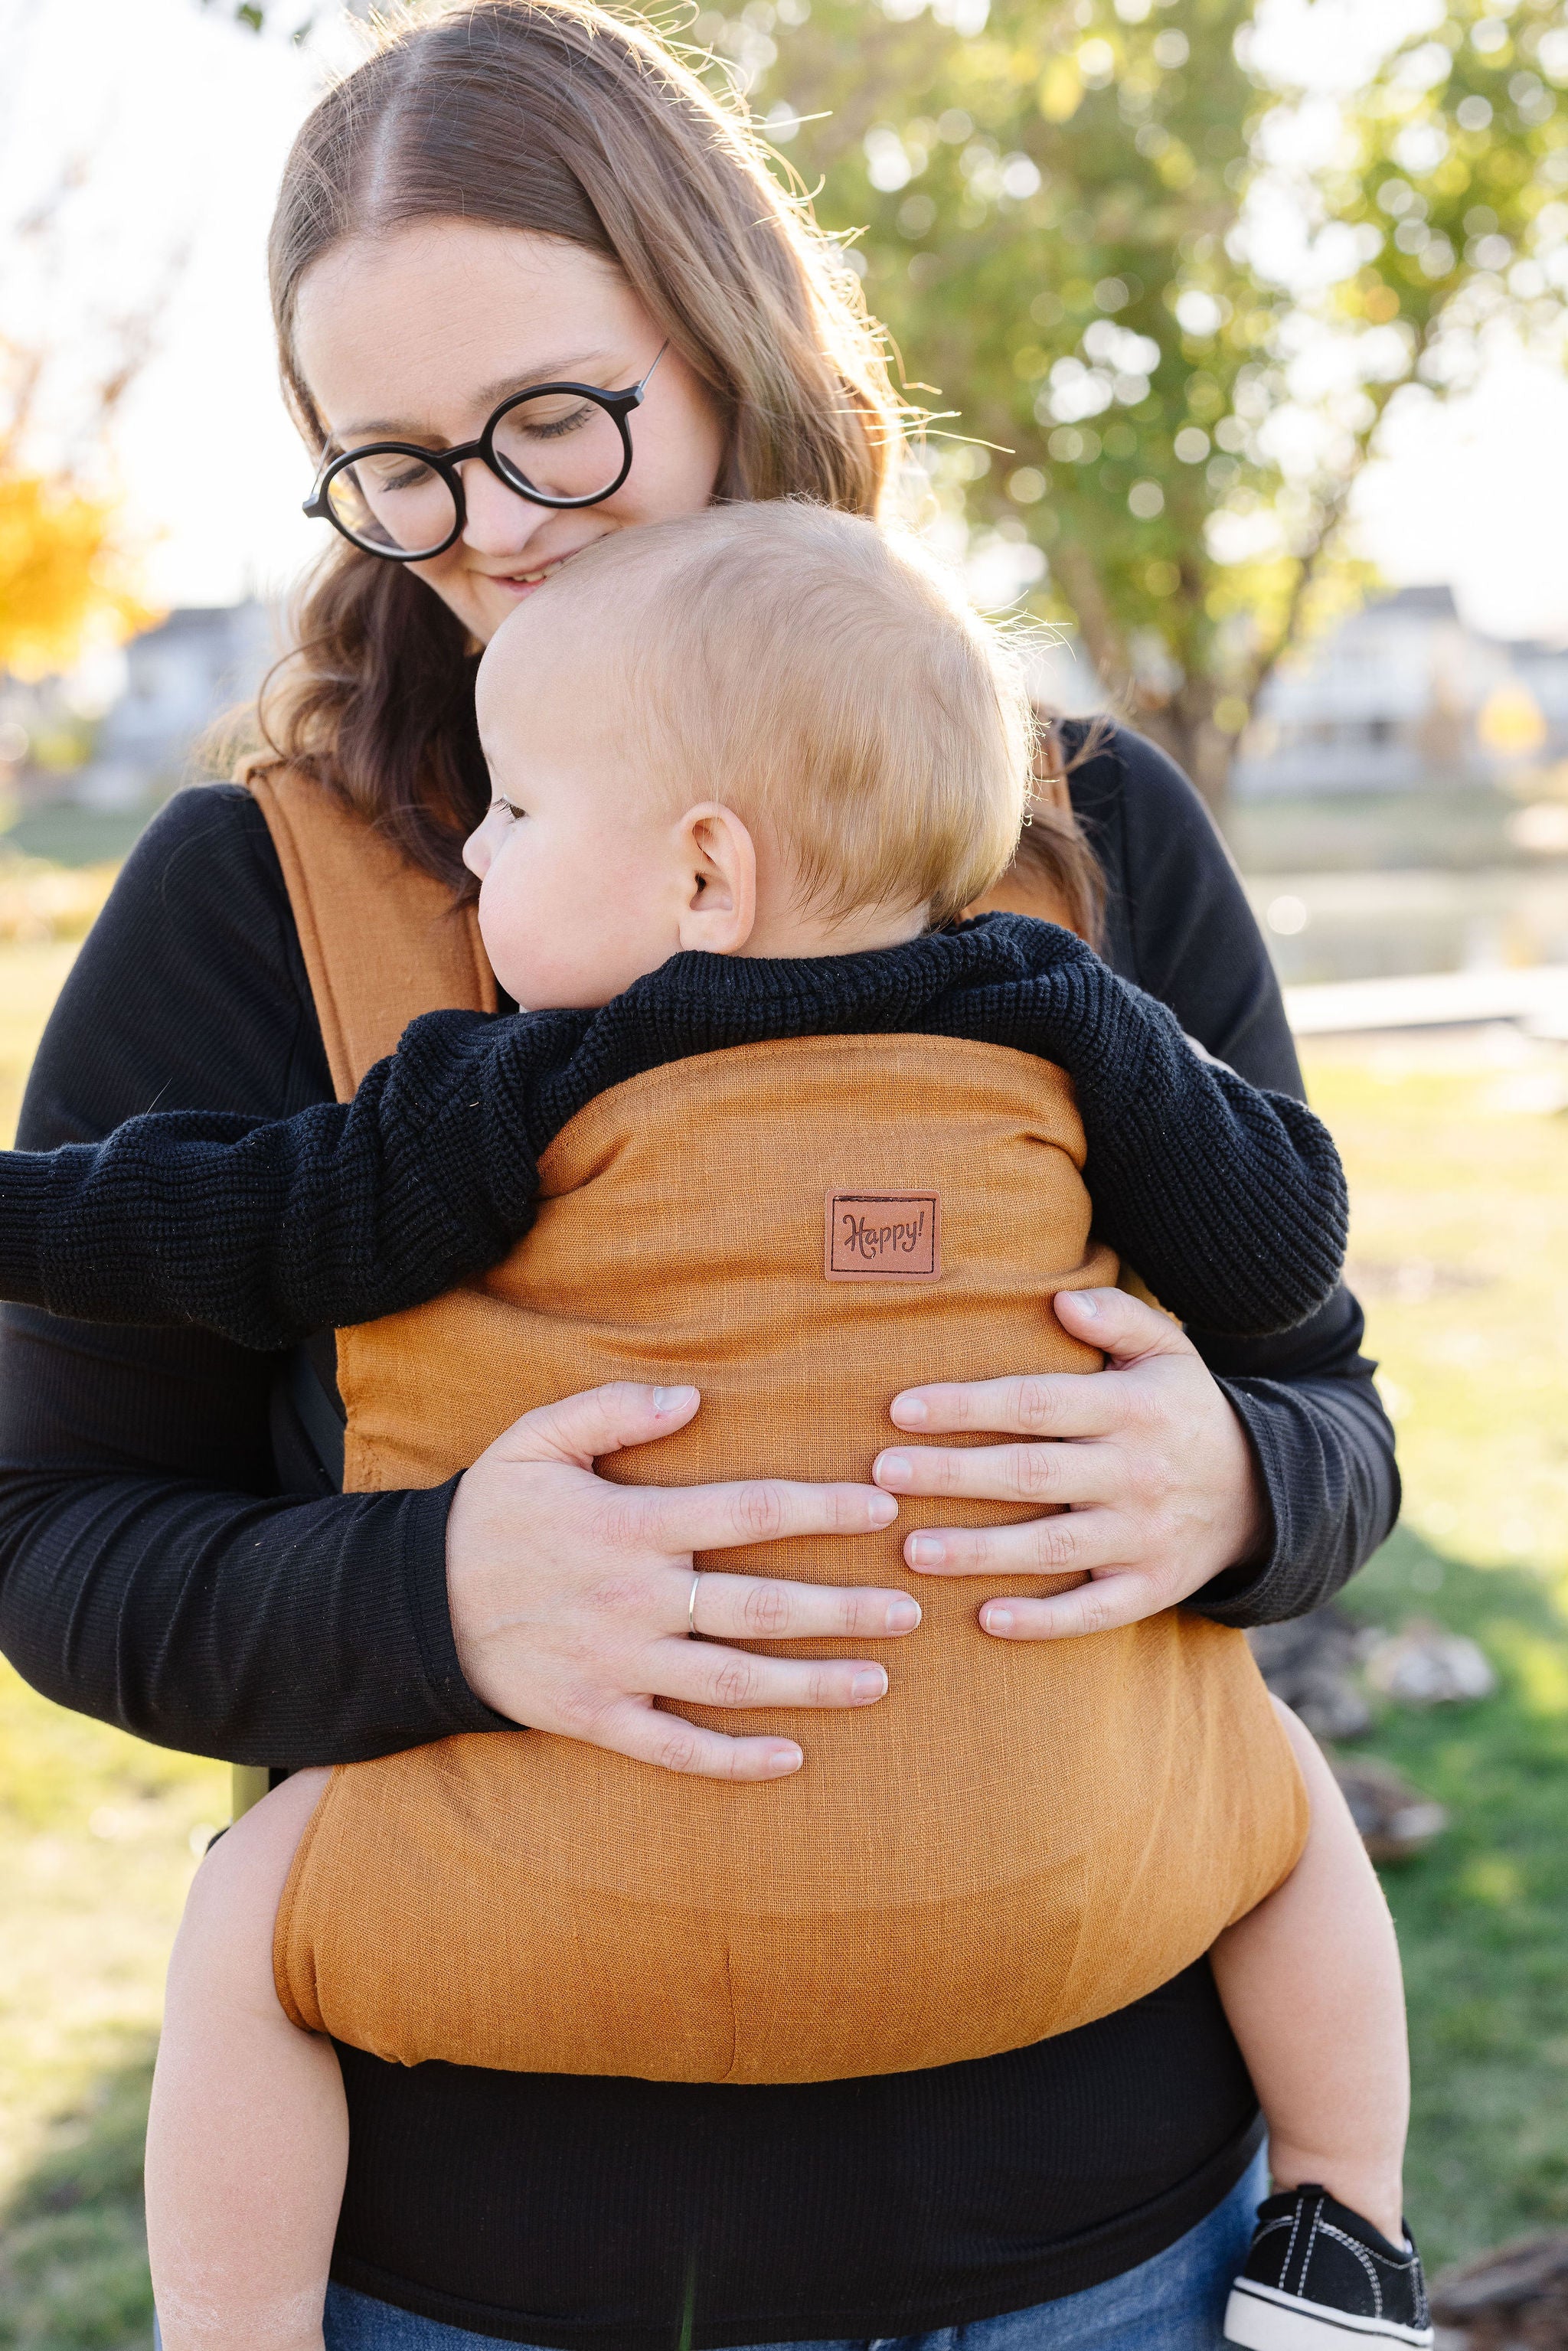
511,939
548,958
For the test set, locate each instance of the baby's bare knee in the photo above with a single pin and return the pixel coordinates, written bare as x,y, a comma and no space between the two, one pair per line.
224,1942
1303,1744
1311,1762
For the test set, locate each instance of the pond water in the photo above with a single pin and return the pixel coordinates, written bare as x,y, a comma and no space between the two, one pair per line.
1376,925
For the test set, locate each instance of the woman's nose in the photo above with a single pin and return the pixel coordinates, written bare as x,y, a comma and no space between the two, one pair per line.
499,522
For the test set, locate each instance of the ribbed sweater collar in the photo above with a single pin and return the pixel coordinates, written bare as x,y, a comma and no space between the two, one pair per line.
724,998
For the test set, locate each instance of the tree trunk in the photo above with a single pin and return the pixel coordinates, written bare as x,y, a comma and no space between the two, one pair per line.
1183,725
1076,570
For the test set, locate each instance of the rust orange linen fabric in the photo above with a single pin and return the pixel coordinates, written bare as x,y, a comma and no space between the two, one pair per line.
1017,1839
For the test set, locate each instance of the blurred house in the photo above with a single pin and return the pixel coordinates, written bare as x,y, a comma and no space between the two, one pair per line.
1405,698
179,678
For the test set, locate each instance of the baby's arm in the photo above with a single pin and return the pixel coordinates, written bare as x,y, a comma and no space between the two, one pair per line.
1229,1201
247,2141
266,1230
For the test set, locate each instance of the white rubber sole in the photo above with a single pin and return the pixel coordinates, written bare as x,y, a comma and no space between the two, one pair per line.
1263,2319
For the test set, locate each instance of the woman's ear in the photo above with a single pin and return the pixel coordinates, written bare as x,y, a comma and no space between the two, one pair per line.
720,913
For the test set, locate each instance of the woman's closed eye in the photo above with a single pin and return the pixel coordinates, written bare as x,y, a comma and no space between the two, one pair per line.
409,478
510,806
551,417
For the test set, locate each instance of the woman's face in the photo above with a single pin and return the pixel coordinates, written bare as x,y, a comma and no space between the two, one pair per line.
420,336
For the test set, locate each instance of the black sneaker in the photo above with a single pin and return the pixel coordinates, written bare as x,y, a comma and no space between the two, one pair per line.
1320,2278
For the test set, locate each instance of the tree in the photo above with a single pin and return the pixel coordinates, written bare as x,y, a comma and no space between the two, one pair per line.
1170,315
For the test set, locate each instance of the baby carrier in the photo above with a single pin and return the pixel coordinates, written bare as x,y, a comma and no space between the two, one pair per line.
1019,1837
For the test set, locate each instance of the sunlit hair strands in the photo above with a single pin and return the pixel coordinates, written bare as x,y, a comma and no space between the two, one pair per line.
629,156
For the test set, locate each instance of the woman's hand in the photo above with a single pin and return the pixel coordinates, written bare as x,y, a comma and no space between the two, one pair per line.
569,1595
1161,1488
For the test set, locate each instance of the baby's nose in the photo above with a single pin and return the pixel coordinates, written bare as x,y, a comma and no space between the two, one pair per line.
477,850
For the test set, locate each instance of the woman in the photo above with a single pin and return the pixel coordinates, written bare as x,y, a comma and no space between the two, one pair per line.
518,195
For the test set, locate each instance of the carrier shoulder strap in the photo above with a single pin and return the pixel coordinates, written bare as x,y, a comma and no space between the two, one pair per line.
382,942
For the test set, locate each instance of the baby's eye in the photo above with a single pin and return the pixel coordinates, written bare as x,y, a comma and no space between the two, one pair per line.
510,806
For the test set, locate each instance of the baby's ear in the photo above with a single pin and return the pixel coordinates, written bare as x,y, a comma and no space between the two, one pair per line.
719,855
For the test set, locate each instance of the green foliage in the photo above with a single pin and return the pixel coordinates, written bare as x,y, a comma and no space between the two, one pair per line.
1457,163
253,14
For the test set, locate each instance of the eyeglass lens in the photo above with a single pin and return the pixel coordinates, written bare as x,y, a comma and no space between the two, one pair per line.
555,443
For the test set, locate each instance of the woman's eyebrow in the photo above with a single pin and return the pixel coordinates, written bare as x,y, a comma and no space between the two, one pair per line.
577,369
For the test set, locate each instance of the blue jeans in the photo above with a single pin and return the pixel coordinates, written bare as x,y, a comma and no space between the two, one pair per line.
1175,2302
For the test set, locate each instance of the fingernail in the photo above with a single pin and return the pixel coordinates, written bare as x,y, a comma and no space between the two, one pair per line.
996,1620
870,1683
894,1470
925,1550
882,1509
672,1399
784,1759
904,1616
1085,1301
909,1411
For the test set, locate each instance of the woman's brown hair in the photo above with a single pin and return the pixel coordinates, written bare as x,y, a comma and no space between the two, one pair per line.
628,155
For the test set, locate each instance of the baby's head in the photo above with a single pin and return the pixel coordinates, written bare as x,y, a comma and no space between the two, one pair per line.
764,730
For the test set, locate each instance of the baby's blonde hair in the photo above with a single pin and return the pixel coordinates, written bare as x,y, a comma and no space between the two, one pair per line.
829,682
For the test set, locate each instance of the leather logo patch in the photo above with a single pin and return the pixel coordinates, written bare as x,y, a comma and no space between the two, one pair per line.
882,1236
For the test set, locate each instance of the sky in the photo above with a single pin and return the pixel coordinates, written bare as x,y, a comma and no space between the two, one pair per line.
177,122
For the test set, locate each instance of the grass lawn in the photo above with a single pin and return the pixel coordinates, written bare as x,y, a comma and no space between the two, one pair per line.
1459,1160
97,1835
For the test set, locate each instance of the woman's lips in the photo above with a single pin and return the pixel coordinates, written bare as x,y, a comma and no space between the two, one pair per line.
523,583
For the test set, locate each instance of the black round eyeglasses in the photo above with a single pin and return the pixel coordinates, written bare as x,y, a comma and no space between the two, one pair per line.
558,445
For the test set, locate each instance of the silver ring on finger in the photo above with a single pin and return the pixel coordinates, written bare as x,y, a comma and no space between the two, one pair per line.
692,1633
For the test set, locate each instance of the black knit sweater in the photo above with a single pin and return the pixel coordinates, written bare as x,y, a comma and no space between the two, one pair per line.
1229,1200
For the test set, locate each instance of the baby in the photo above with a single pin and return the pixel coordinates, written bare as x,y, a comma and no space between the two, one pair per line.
712,829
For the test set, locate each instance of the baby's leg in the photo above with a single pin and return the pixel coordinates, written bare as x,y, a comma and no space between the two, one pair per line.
1312,1986
249,2137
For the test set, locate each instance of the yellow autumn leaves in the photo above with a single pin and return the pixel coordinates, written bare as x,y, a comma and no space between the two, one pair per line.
65,578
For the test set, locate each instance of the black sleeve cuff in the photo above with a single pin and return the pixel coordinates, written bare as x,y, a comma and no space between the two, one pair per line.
27,1190
424,1562
1324,1452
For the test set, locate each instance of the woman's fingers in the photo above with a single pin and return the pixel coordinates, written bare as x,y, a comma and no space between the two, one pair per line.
1039,1404
683,1518
637,1728
1054,1404
1073,1542
705,1675
1123,1596
765,1608
567,1591
1060,1476
581,1429
1123,1327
